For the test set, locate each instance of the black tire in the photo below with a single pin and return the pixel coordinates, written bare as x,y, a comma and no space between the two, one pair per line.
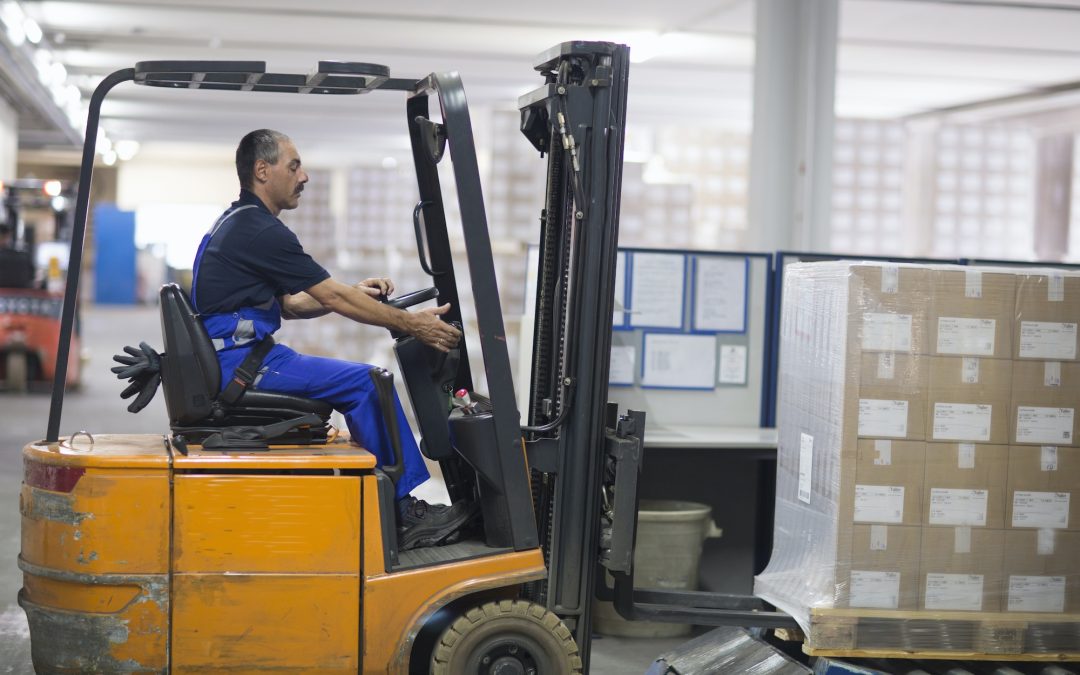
514,631
18,371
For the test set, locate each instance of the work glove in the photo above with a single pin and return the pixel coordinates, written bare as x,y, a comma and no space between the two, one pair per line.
142,369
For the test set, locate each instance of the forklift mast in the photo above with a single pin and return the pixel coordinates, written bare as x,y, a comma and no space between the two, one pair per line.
578,119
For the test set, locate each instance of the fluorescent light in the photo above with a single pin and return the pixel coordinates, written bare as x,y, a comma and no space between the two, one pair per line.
57,73
389,163
59,203
32,30
109,157
126,149
52,187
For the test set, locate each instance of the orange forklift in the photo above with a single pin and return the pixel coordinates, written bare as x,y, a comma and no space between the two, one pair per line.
250,539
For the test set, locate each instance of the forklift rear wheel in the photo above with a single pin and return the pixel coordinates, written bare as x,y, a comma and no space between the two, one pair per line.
510,637
17,371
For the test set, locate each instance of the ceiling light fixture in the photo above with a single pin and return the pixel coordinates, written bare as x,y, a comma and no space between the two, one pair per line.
126,149
109,157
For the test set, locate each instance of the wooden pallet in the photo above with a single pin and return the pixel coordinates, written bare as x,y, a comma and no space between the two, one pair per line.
989,636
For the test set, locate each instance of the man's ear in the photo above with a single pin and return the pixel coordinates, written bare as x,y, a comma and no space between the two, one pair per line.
261,170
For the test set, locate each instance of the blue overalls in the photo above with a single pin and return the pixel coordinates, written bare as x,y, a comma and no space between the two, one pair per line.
344,385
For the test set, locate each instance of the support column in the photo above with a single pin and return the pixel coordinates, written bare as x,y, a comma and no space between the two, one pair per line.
792,141
1053,195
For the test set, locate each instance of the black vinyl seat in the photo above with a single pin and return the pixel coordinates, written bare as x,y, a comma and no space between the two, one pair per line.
191,380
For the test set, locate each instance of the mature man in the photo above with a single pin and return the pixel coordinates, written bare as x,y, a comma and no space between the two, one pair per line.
251,271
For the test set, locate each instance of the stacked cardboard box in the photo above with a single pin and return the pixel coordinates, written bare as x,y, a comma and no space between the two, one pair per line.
927,455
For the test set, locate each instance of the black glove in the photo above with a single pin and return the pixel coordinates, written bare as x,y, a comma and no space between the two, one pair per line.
143,360
142,368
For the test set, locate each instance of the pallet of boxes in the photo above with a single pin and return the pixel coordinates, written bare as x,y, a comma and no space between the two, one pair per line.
928,484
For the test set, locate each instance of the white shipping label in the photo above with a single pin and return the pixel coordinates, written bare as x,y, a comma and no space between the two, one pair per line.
886,366
1044,425
969,370
974,337
1036,594
879,503
1055,287
1048,458
962,421
884,453
886,332
958,507
1052,374
878,417
890,278
806,466
972,284
1044,544
1040,509
1047,340
879,537
877,590
954,591
965,456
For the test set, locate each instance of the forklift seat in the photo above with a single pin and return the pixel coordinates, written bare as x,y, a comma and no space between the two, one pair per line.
191,379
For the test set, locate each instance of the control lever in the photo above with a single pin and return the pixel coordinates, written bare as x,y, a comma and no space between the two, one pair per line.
384,388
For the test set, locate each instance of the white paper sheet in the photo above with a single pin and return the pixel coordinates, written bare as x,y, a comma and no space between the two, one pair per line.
954,591
883,418
1040,509
879,503
1036,594
679,361
1044,425
876,590
1047,340
732,364
806,466
656,290
958,507
960,336
618,315
623,359
962,421
720,293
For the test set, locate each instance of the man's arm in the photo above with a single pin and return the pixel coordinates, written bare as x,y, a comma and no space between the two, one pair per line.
356,304
303,306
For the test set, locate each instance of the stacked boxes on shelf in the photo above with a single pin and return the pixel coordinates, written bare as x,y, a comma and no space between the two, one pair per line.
926,468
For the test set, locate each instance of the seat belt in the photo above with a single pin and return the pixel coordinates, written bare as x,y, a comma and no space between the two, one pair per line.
247,371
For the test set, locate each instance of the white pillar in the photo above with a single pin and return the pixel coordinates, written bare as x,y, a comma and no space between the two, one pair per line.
792,141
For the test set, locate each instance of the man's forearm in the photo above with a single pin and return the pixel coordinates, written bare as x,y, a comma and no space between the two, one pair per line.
352,303
302,306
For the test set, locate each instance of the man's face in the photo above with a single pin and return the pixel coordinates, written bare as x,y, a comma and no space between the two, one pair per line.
285,179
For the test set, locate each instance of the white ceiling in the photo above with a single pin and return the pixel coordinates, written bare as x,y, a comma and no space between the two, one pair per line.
896,57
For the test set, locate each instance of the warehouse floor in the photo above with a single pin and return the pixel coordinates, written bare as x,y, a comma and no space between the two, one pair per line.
98,408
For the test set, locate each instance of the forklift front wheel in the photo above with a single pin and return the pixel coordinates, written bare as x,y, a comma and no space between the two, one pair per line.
510,636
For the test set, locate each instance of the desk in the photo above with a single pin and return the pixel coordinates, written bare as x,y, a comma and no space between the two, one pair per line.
733,470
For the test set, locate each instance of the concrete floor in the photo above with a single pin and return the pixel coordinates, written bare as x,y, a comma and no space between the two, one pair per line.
97,407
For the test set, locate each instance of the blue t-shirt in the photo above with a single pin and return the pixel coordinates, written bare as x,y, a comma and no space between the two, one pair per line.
252,258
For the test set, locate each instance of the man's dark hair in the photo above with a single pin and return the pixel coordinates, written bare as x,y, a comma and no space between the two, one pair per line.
259,144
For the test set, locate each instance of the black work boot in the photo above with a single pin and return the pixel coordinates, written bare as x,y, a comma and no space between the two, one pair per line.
423,524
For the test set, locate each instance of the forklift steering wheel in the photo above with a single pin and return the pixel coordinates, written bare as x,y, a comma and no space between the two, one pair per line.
414,298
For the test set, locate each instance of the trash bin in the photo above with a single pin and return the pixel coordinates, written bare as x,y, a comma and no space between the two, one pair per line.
669,540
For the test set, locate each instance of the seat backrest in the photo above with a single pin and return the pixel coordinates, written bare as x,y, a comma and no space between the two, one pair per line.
190,374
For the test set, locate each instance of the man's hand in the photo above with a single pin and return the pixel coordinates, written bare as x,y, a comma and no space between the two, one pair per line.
427,327
375,287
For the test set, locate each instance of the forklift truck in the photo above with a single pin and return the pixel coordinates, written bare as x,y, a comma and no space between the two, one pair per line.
249,539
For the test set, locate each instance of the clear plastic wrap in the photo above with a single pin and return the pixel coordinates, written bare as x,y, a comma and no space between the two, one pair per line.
928,479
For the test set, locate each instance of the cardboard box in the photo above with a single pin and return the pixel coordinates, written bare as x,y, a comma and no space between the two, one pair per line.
888,482
968,399
1041,573
1043,489
882,568
960,569
1047,313
888,307
891,401
972,313
965,485
1045,403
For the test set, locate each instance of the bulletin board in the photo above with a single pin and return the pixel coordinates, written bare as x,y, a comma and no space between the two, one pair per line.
690,335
